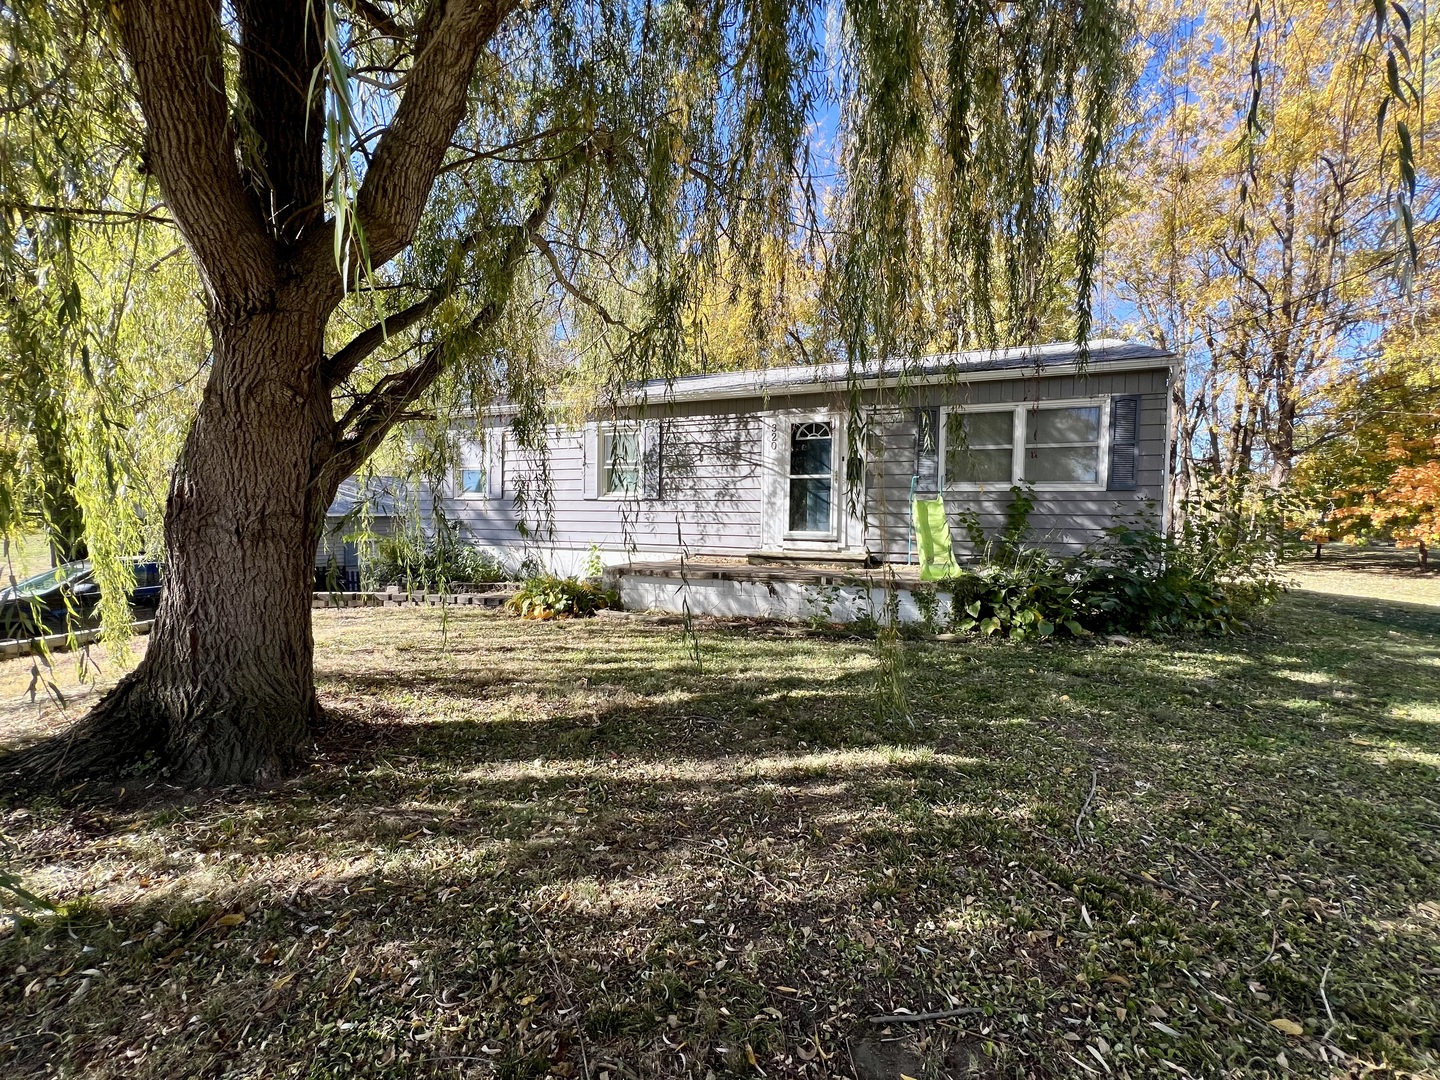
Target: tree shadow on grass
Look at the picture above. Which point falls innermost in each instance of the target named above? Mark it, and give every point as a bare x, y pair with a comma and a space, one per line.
563, 855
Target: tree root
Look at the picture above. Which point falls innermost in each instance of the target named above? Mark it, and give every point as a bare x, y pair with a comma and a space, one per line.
117, 738
131, 733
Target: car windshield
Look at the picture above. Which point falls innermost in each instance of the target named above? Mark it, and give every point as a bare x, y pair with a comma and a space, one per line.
34, 586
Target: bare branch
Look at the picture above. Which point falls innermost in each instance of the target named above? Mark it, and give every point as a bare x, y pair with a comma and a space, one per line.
117, 217
543, 246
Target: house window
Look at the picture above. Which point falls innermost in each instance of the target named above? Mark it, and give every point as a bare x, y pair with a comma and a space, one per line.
812, 477
979, 447
620, 462
471, 481
1062, 446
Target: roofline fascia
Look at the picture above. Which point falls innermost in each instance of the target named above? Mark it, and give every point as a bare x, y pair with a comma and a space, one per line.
1163, 361
1073, 367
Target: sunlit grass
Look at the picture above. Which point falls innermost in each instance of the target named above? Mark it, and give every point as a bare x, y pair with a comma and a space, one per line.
528, 848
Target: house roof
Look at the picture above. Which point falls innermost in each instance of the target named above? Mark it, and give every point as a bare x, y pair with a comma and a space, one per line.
1061, 358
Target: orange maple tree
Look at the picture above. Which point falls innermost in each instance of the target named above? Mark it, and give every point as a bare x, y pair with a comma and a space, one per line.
1409, 505
1377, 476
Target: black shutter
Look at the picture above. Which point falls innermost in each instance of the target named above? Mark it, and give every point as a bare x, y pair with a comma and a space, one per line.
650, 445
927, 450
1125, 442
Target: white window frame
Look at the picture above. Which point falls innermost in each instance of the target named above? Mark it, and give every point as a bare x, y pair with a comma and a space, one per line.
791, 421
605, 433
461, 493
1020, 410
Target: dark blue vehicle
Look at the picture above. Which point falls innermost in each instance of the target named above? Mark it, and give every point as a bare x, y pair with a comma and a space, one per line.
67, 598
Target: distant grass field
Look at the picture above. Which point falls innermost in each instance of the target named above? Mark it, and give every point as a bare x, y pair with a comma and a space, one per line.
23, 557
1387, 574
572, 849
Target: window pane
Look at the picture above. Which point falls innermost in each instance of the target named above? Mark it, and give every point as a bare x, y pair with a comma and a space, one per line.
980, 429
1064, 463
810, 505
622, 478
624, 447
964, 466
472, 481
1078, 425
622, 462
810, 450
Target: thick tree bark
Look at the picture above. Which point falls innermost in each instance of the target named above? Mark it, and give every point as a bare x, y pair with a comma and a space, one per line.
225, 692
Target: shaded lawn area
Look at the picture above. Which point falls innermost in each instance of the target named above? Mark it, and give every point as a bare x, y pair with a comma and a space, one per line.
530, 849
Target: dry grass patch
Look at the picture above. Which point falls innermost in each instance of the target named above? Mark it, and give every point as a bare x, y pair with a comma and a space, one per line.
529, 849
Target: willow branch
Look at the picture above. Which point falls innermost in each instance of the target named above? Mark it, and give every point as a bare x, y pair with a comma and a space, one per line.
340, 366
543, 246
119, 217
344, 362
366, 423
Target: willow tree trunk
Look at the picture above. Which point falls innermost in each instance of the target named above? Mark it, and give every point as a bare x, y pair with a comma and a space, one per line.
226, 690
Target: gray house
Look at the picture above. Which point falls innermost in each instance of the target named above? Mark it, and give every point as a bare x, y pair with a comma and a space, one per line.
763, 467
376, 505
761, 461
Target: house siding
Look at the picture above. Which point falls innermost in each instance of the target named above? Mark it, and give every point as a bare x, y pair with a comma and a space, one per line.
709, 500
711, 477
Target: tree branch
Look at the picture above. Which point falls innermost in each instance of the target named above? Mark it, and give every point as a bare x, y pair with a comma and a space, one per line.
377, 18
340, 366
410, 153
543, 246
343, 363
117, 217
371, 418
280, 48
174, 50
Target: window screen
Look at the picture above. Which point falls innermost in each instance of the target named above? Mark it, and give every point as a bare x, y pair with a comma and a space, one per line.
620, 457
1063, 445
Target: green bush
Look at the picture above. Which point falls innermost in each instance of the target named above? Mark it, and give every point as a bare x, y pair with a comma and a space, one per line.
1136, 582
415, 560
546, 596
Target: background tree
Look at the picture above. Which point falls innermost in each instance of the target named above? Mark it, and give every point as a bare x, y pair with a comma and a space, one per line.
101, 323
1258, 245
383, 200
1374, 462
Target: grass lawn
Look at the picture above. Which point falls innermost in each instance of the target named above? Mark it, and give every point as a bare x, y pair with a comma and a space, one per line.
23, 556
529, 849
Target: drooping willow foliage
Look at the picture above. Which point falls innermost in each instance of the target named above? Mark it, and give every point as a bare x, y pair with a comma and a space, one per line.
929, 173
102, 344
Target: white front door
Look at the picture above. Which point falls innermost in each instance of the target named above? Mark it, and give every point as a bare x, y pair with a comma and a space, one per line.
805, 505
